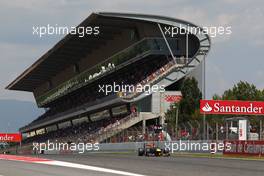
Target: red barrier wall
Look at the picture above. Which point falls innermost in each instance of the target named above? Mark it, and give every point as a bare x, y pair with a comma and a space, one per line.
245, 148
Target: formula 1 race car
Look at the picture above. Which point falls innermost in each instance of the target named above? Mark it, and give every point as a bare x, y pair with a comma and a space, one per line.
152, 150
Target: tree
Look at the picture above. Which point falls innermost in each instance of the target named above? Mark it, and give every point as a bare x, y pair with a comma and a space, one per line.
243, 91
188, 106
216, 97
190, 102
261, 94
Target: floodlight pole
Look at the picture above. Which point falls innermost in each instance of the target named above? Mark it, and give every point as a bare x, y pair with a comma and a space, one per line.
176, 108
176, 120
187, 47
204, 123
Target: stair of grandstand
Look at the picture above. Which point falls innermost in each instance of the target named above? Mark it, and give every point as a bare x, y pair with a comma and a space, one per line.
125, 123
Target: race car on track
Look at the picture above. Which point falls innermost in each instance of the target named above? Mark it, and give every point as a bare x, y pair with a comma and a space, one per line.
152, 150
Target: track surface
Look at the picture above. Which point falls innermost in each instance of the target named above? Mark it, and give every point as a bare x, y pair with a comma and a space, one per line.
166, 166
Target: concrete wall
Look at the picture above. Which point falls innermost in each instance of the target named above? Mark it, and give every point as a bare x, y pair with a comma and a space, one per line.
133, 146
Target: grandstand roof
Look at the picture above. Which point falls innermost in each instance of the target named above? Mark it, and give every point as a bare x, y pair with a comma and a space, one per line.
72, 48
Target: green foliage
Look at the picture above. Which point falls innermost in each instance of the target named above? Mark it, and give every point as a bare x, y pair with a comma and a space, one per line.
243, 91
188, 106
190, 102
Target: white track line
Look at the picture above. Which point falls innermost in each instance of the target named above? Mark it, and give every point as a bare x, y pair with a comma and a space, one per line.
86, 167
66, 164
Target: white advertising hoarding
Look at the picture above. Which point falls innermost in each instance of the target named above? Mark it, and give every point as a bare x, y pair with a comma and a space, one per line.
242, 132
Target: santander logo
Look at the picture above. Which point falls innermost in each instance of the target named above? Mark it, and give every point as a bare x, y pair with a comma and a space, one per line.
10, 137
232, 107
207, 108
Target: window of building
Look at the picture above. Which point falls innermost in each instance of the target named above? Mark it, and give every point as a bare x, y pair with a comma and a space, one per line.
177, 45
134, 35
50, 84
76, 68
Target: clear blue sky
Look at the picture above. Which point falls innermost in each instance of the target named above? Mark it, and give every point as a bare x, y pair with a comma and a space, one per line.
232, 58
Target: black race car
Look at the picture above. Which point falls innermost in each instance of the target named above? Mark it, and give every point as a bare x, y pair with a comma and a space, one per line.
151, 150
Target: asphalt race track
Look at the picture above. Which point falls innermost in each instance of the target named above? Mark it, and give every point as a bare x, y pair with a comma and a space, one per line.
167, 166
13, 168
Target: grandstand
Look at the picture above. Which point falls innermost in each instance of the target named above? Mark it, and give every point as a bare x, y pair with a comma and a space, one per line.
130, 49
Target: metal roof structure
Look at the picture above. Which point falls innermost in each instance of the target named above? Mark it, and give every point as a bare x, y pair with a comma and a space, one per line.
72, 48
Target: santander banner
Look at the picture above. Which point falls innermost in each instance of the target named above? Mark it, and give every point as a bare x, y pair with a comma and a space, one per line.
10, 137
231, 107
